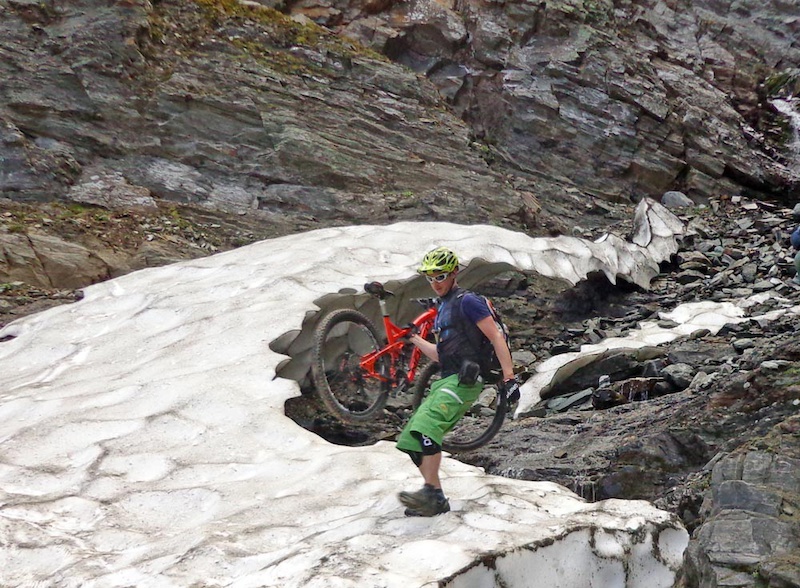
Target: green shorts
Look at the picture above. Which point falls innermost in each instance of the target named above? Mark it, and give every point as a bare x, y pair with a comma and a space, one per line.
446, 403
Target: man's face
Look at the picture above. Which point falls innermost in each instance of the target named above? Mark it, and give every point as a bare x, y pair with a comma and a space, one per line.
441, 282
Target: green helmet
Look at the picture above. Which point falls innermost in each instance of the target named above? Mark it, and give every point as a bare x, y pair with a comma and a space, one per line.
440, 259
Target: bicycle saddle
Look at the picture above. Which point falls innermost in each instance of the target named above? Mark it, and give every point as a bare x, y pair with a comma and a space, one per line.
377, 290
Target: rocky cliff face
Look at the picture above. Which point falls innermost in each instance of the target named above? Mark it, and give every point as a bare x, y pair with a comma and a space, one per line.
234, 107
482, 110
614, 99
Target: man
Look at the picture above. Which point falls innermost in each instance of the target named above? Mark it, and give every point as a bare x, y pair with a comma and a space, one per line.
459, 387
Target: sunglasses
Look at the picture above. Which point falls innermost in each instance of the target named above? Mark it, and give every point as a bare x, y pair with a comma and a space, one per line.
438, 279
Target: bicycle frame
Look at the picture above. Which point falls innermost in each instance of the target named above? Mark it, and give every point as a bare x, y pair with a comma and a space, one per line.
397, 345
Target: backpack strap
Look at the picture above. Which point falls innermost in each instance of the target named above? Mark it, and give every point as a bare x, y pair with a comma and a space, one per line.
473, 334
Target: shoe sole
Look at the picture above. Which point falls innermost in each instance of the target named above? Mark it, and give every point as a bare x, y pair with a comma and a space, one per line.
412, 513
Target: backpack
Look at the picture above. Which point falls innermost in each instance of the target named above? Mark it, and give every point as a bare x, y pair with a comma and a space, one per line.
491, 371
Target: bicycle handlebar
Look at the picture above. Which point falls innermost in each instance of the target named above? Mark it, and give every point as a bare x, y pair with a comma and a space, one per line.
426, 303
377, 290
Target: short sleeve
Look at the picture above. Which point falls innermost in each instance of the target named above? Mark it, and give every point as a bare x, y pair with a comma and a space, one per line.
474, 308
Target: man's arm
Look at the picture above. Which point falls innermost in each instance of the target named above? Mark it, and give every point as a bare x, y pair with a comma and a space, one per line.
498, 341
425, 346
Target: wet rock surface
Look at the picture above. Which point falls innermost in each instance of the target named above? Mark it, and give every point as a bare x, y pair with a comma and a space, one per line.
235, 108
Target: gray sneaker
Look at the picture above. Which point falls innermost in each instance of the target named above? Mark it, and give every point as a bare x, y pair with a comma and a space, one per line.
424, 503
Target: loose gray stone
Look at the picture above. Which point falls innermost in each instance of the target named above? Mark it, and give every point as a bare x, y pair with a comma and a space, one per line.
674, 199
679, 375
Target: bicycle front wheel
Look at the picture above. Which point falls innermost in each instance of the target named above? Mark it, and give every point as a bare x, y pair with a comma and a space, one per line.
349, 392
476, 428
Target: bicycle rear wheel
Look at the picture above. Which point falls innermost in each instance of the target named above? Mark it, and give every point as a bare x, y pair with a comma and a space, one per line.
347, 390
478, 426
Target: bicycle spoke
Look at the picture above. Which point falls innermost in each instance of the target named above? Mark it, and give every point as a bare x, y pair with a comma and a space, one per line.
347, 390
476, 422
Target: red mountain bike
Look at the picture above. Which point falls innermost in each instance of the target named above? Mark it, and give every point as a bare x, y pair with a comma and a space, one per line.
355, 370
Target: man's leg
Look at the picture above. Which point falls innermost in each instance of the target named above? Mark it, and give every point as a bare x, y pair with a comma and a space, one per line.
430, 500
444, 406
429, 468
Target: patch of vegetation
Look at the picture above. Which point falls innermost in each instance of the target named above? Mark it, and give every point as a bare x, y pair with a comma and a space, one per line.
158, 28
789, 377
598, 12
591, 12
283, 30
280, 30
177, 30
786, 82
401, 194
175, 219
483, 149
277, 60
241, 241
74, 209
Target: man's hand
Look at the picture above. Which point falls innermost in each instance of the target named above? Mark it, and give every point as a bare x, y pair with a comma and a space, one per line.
412, 330
511, 389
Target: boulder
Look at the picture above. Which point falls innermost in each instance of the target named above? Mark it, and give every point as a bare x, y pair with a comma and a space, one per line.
47, 261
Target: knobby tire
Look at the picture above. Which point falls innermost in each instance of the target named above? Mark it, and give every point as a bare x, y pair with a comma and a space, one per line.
340, 340
473, 430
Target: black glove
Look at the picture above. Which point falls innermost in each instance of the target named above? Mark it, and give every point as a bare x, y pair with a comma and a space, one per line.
511, 390
412, 330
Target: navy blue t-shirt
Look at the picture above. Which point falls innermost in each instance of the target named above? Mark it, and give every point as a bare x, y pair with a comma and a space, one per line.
453, 345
